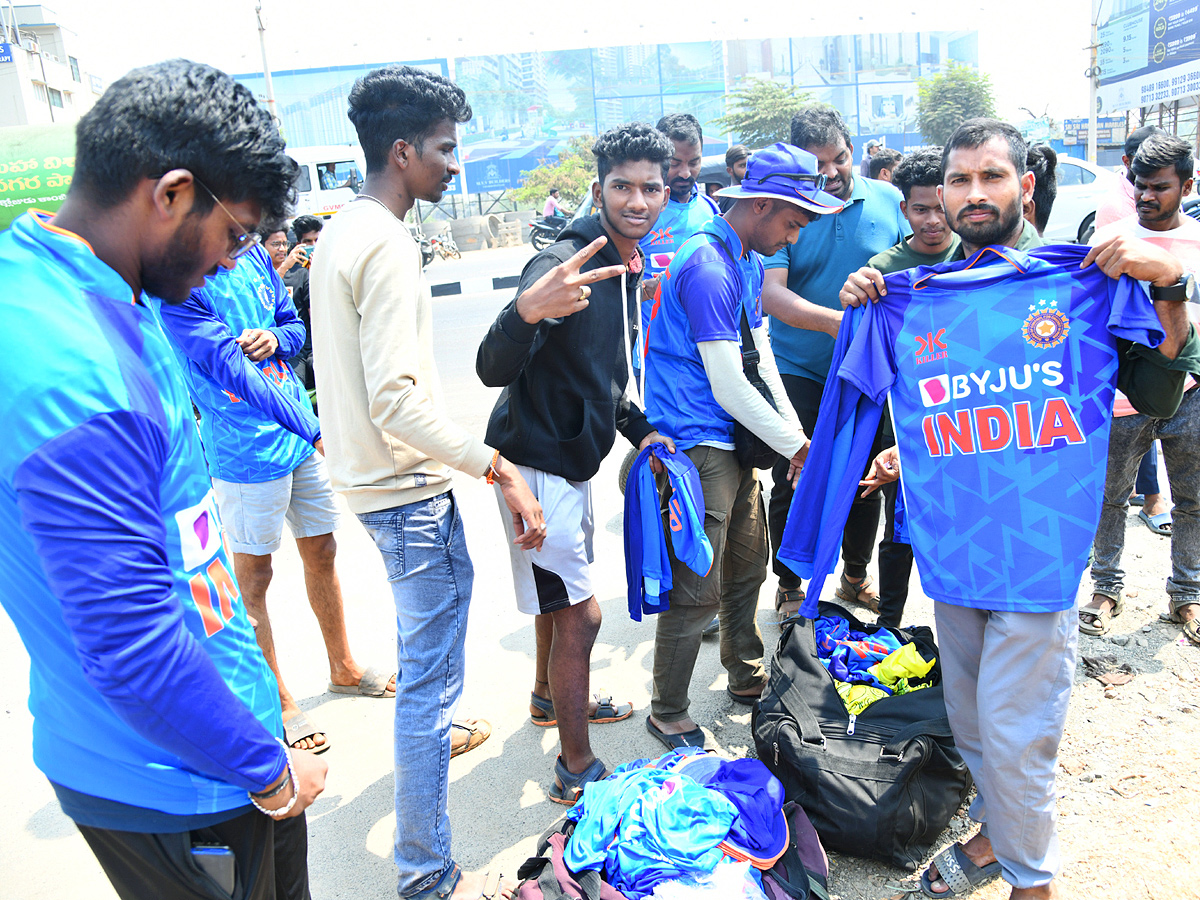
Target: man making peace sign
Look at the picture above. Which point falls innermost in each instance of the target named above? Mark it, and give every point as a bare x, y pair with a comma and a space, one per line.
562, 351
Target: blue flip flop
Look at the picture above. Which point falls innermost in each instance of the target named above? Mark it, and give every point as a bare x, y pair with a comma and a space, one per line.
1159, 524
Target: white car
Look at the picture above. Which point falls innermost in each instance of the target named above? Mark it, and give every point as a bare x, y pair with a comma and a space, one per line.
1082, 187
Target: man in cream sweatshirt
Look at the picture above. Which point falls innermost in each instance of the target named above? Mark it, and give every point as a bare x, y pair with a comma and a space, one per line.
391, 447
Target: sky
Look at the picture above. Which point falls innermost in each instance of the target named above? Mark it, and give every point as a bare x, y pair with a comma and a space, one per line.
1035, 55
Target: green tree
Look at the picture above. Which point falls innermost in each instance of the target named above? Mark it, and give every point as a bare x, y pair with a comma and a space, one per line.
572, 175
760, 111
946, 100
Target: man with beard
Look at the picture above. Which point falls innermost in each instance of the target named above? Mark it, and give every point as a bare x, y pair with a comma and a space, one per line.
156, 718
696, 388
1162, 176
392, 448
687, 207
1008, 665
558, 415
801, 296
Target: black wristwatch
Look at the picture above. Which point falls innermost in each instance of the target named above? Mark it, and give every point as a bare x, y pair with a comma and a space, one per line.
1181, 291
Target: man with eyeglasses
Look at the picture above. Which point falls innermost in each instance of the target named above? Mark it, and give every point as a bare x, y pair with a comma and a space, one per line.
156, 718
801, 296
233, 337
695, 390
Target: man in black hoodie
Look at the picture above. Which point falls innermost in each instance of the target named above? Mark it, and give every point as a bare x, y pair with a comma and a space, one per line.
562, 352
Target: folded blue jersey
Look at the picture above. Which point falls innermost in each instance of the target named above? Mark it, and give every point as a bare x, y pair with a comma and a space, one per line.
647, 563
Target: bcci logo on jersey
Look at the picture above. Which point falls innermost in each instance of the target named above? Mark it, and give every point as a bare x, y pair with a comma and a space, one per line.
1045, 326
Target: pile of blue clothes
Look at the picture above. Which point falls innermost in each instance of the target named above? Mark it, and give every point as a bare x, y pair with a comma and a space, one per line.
675, 817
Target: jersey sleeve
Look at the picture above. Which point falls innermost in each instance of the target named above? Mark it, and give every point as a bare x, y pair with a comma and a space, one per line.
1133, 317
711, 296
89, 499
870, 359
206, 340
841, 444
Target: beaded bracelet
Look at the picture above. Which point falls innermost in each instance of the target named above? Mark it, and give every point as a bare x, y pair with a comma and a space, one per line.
283, 810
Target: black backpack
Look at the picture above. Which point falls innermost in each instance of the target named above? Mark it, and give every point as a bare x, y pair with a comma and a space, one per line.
880, 785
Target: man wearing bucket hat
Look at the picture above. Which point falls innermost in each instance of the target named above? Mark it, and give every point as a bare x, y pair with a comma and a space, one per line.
800, 294
695, 388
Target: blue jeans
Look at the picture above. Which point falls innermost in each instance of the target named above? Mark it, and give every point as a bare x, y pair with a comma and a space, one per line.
425, 552
1131, 438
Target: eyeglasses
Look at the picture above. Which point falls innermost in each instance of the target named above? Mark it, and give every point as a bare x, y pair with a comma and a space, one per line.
817, 181
277, 245
239, 244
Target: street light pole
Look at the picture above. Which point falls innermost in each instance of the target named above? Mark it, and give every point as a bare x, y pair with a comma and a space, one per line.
262, 42
1093, 74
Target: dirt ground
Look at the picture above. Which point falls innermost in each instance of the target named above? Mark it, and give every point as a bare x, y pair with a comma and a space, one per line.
1128, 823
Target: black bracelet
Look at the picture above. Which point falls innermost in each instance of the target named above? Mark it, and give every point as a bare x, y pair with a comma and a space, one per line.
278, 789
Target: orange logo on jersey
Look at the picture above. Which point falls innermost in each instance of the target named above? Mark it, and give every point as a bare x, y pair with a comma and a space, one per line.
676, 517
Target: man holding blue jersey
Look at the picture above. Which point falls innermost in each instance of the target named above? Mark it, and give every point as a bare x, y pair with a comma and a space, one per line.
696, 388
1008, 666
156, 718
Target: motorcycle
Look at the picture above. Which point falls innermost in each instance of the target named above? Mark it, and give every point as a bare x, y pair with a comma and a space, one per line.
445, 247
545, 233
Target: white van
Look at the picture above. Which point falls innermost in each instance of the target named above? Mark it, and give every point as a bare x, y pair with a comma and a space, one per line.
330, 177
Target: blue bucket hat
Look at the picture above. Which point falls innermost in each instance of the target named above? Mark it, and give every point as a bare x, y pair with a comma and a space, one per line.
784, 172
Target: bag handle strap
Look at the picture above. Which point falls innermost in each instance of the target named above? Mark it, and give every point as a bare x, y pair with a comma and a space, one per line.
806, 722
939, 727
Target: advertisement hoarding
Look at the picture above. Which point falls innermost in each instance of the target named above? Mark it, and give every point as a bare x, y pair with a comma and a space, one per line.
1148, 54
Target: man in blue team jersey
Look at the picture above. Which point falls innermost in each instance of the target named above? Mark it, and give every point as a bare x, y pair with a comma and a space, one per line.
233, 337
687, 207
1008, 665
695, 389
801, 296
156, 718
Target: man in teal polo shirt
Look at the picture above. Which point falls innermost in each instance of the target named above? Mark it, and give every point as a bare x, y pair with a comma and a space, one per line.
800, 294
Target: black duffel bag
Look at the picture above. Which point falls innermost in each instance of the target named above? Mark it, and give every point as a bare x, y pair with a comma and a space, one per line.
880, 785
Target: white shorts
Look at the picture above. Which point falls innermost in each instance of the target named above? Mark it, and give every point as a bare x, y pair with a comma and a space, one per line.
253, 514
558, 575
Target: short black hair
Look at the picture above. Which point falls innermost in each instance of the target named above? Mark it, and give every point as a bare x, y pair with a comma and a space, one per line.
402, 103
554, 190
635, 141
1043, 163
1135, 139
682, 127
735, 154
884, 158
270, 227
818, 125
182, 115
1161, 150
922, 168
977, 132
305, 224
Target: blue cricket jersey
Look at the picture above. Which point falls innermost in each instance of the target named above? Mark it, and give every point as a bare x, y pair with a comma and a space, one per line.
676, 223
701, 298
147, 686
647, 564
255, 419
1001, 371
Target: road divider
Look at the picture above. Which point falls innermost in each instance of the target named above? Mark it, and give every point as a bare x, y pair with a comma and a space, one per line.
474, 285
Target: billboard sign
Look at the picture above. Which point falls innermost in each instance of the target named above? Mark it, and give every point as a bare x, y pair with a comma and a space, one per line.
6, 53
1109, 130
1148, 54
